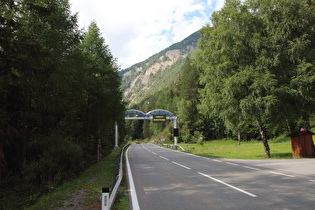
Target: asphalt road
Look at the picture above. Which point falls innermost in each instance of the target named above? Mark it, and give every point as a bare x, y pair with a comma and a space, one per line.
168, 179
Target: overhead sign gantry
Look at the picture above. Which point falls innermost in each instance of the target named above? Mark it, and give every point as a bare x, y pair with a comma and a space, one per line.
139, 115
157, 115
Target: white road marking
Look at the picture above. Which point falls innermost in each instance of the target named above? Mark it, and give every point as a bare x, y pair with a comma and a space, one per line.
154, 153
134, 198
164, 158
215, 160
233, 164
187, 153
312, 180
181, 165
257, 169
145, 148
272, 172
226, 184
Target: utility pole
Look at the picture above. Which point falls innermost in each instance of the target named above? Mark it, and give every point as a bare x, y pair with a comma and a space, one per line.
116, 135
175, 133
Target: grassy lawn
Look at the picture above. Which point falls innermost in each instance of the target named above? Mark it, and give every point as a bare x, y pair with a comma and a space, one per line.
279, 147
85, 191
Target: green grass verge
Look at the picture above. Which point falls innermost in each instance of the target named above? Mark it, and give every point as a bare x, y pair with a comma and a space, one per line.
280, 148
85, 190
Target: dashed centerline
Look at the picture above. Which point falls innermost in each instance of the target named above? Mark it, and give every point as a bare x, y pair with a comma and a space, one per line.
181, 165
257, 169
164, 158
230, 163
214, 179
233, 164
272, 172
226, 184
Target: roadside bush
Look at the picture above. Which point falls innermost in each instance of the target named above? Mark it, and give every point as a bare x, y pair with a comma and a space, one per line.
52, 159
187, 137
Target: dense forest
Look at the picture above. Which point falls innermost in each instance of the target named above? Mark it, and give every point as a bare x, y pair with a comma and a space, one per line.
59, 98
253, 76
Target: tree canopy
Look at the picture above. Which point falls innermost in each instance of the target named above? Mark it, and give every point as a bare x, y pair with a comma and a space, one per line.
251, 58
59, 95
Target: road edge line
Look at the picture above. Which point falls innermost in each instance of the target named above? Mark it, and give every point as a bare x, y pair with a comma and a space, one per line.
133, 193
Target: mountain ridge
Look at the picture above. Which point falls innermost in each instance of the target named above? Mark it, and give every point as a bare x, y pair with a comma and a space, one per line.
158, 71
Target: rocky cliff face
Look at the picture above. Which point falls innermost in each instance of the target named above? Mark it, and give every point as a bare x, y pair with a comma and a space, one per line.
148, 77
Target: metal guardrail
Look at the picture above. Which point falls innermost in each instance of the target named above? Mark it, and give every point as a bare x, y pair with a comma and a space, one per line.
106, 205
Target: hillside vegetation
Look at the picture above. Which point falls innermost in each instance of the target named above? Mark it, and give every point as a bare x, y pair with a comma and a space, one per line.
252, 77
157, 72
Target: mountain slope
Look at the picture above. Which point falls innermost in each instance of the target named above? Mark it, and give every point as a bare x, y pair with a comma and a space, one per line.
152, 75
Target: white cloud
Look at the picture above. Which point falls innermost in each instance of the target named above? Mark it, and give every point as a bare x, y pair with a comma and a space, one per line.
216, 4
135, 30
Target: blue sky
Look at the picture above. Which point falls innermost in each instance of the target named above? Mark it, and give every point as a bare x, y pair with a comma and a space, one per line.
137, 29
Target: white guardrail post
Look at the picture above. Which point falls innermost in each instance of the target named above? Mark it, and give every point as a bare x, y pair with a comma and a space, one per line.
105, 198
